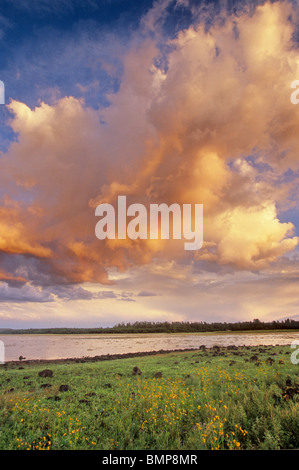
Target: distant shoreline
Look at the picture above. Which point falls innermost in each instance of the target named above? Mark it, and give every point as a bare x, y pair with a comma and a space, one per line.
173, 328
117, 333
110, 357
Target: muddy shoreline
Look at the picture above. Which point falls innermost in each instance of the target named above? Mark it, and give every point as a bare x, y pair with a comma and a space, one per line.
216, 350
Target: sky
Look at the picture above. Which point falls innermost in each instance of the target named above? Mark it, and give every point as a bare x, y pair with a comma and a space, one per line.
166, 101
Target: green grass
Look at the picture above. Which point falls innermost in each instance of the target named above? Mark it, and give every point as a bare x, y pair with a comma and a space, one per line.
204, 400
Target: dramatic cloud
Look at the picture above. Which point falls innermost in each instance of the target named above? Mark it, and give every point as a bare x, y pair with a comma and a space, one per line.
220, 130
201, 117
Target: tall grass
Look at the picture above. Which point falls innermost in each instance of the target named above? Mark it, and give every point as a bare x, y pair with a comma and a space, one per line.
200, 400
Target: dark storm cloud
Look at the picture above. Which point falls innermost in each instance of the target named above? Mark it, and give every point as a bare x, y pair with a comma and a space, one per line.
25, 293
145, 293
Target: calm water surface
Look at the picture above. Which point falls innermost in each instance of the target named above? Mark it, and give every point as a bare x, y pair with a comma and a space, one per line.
78, 346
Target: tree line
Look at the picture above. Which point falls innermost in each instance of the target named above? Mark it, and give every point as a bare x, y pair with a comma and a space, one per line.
165, 327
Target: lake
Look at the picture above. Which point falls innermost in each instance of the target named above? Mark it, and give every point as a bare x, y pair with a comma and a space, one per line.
50, 346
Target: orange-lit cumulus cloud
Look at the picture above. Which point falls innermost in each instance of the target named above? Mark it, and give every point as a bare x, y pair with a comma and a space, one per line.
182, 133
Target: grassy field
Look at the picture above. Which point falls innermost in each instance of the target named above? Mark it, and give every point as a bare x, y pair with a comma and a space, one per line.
243, 398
